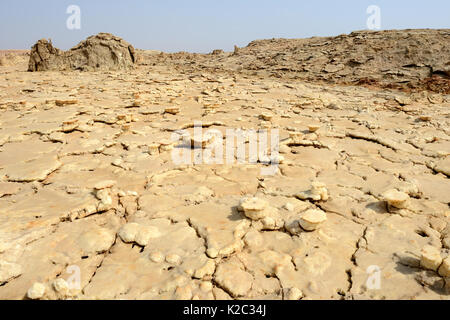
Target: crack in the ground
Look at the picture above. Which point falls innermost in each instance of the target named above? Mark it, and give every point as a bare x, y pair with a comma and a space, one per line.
107, 252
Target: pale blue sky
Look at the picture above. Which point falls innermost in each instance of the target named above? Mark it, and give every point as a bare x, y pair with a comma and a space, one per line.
204, 25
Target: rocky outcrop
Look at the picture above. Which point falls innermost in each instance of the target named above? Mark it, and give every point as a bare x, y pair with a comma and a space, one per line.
103, 51
45, 57
400, 59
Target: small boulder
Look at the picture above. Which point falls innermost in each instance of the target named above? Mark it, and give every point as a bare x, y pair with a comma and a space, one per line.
431, 258
145, 234
61, 286
156, 257
312, 219
174, 259
36, 291
129, 232
396, 199
318, 192
253, 208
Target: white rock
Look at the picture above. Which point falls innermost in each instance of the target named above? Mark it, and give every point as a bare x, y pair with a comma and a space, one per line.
272, 221
172, 110
36, 291
431, 258
129, 232
253, 208
396, 199
317, 192
212, 253
268, 223
313, 127
145, 234
104, 196
173, 259
266, 116
156, 257
61, 286
312, 219
319, 188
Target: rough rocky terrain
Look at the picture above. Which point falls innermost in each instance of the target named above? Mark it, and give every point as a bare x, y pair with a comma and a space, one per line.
89, 189
408, 60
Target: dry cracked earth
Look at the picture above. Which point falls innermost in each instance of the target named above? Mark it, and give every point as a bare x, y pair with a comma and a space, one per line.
357, 209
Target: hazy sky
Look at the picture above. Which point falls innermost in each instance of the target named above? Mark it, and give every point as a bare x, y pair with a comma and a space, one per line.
204, 25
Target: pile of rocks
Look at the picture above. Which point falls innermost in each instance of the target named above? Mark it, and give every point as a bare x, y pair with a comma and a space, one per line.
260, 211
318, 192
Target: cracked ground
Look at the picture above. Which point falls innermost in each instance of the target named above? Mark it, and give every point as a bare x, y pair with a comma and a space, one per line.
87, 181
